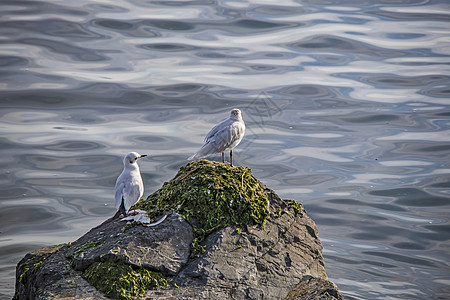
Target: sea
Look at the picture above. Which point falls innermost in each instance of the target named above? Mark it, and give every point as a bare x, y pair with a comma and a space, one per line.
346, 103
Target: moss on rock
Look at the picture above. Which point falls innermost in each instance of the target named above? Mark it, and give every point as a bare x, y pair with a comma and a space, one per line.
311, 287
87, 246
210, 195
296, 206
33, 261
122, 281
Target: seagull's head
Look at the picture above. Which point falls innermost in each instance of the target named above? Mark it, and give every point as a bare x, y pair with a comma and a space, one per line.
131, 159
236, 114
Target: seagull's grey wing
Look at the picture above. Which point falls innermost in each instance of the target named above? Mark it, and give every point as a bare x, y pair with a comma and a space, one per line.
133, 191
216, 143
210, 146
217, 128
120, 185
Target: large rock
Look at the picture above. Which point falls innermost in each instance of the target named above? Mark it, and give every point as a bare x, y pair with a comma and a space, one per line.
47, 274
162, 248
274, 253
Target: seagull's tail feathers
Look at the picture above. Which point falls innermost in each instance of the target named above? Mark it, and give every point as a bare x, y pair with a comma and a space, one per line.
121, 211
196, 156
204, 151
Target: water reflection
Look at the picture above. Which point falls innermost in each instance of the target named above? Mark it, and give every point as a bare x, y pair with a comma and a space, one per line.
345, 104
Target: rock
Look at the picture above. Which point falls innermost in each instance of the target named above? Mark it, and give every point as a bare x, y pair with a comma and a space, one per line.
46, 274
251, 263
230, 238
162, 248
314, 288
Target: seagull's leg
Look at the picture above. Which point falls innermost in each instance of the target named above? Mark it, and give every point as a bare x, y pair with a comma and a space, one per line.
231, 157
223, 157
134, 209
132, 213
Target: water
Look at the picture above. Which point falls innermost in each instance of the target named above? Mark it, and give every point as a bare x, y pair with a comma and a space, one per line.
346, 102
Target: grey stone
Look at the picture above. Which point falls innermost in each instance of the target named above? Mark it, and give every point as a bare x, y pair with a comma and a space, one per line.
283, 260
314, 288
164, 248
47, 274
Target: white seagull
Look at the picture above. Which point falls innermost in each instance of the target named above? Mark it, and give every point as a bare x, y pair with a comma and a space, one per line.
129, 185
223, 137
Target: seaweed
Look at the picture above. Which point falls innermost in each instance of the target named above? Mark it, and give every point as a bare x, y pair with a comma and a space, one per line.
122, 281
211, 195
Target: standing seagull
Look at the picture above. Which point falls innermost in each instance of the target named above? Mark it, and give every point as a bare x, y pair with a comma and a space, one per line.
129, 185
223, 137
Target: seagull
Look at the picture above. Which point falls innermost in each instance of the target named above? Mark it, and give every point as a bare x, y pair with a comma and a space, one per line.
129, 185
223, 137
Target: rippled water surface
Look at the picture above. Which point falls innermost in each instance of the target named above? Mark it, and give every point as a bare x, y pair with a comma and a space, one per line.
346, 104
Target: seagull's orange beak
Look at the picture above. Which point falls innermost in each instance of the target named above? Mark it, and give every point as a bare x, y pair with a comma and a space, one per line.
143, 155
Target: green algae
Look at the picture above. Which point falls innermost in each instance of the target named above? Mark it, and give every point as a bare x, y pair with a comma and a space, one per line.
88, 245
277, 213
296, 206
122, 281
210, 195
91, 245
34, 261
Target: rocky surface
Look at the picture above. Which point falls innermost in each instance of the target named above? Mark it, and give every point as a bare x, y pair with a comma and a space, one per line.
163, 248
47, 274
314, 288
280, 260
